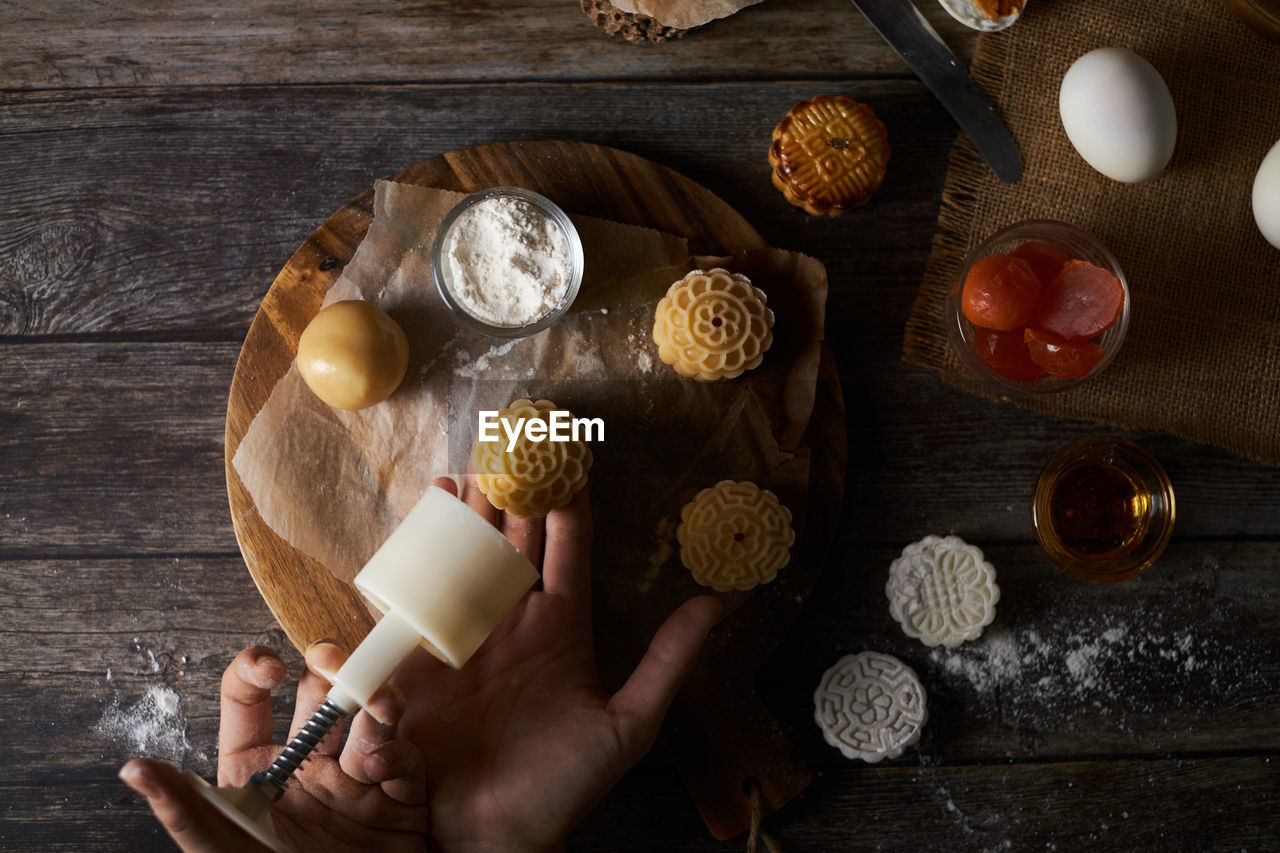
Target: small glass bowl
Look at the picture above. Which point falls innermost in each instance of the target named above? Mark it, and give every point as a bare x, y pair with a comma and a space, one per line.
1103, 509
1077, 244
440, 270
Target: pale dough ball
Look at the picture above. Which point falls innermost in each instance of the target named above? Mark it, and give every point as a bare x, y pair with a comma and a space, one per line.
352, 355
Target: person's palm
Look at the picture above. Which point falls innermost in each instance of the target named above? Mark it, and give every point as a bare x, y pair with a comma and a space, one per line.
521, 742
517, 745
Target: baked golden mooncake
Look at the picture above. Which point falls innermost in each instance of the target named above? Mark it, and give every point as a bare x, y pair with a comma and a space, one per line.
735, 535
529, 478
713, 324
829, 154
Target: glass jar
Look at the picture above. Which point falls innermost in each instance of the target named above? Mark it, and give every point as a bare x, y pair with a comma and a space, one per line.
448, 288
1076, 244
1103, 509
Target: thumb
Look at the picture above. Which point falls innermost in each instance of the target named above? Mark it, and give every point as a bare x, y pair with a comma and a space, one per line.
193, 822
643, 701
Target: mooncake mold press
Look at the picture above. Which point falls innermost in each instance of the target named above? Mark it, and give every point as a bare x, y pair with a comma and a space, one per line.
942, 591
533, 477
870, 706
735, 535
713, 324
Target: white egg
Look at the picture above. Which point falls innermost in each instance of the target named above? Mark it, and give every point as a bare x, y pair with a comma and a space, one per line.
1118, 114
1266, 196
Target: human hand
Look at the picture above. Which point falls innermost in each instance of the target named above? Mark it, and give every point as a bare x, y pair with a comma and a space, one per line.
521, 742
370, 794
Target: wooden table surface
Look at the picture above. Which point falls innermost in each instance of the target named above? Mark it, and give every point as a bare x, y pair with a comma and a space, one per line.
159, 165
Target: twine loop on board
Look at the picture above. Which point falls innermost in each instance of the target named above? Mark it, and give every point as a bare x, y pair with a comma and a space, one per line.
756, 835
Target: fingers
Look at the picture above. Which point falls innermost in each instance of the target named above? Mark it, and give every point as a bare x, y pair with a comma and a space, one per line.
246, 700
474, 498
190, 820
526, 534
370, 729
449, 484
643, 701
324, 658
401, 769
566, 563
374, 756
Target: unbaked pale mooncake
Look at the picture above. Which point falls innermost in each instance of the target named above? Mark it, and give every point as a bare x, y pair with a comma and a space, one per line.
942, 591
713, 324
735, 535
534, 477
870, 706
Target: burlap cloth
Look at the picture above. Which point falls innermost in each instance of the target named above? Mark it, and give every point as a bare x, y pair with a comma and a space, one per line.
1202, 356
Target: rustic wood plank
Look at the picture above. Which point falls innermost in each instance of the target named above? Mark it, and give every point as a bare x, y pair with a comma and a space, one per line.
66, 44
85, 642
1194, 804
1203, 804
1012, 765
1178, 660
116, 448
119, 236
96, 635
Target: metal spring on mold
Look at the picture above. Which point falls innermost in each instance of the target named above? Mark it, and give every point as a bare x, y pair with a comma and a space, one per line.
298, 749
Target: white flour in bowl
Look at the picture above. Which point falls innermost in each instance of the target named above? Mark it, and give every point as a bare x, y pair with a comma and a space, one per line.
508, 261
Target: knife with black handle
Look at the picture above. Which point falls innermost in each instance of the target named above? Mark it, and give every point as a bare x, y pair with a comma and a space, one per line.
900, 24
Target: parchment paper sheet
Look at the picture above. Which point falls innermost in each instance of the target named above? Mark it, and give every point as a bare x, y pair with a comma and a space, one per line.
683, 14
335, 484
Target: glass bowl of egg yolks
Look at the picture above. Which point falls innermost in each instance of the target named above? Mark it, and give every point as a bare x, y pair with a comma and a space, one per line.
1003, 359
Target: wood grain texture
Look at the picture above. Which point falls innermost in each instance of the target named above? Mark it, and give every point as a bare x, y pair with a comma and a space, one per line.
1149, 728
114, 235
88, 428
66, 44
1226, 804
1067, 669
95, 636
117, 448
159, 165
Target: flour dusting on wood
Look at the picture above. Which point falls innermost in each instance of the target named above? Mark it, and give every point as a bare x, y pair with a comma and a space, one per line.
153, 726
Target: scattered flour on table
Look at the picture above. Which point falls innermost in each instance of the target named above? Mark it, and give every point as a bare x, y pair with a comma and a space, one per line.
1118, 673
153, 726
465, 365
1137, 667
640, 345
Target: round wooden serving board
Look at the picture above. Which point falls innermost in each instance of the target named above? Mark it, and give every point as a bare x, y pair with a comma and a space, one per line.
718, 732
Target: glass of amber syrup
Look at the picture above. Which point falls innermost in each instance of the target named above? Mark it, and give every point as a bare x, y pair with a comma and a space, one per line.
1103, 509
